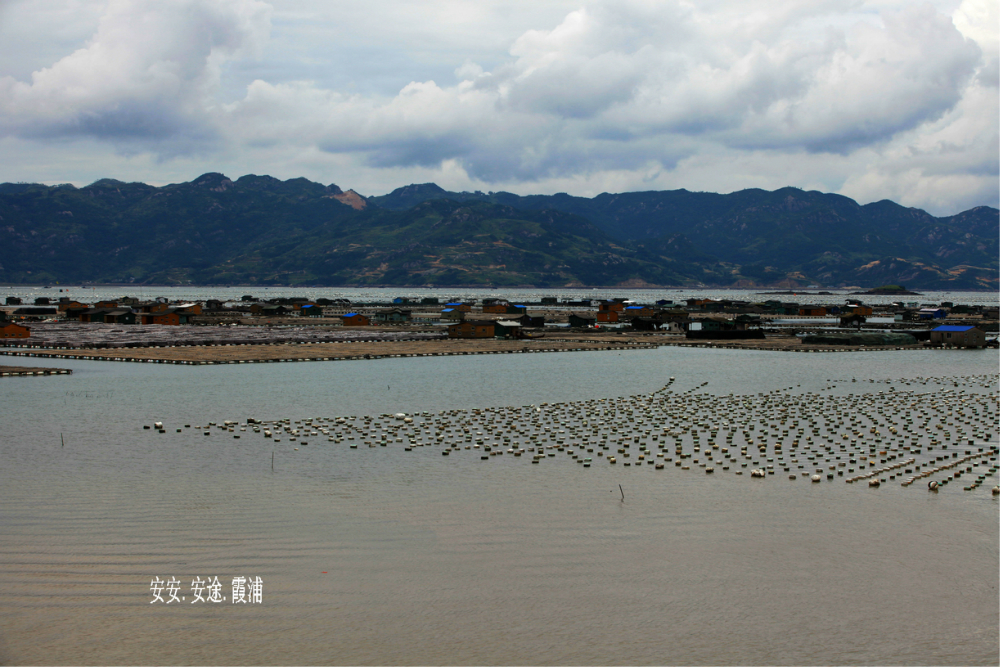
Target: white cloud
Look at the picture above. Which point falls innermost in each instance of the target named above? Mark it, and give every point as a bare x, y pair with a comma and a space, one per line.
145, 76
875, 100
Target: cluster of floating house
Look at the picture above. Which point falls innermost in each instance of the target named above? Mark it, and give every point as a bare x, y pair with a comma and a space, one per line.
127, 310
500, 318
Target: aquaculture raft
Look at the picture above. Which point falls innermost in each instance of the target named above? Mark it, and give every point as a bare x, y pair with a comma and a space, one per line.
860, 339
22, 371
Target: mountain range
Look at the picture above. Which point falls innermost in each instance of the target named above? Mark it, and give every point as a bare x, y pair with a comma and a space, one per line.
261, 230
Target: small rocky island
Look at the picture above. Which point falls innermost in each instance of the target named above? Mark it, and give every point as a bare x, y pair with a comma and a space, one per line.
891, 290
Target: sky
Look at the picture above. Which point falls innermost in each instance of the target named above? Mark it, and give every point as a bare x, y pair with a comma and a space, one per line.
873, 100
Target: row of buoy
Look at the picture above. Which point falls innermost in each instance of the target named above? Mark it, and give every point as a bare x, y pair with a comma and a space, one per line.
730, 346
879, 471
807, 434
222, 362
37, 372
941, 468
212, 343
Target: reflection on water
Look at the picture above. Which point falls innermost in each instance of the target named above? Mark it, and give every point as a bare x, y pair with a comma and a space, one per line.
437, 560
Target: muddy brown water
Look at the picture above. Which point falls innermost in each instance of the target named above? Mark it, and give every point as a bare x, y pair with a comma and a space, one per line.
382, 556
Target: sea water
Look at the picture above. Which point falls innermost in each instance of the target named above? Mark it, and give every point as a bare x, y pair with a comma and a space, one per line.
381, 556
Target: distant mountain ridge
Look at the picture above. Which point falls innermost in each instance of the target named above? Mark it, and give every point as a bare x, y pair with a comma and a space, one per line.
827, 237
261, 230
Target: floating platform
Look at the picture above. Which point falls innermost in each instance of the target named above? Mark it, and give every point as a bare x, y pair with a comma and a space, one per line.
24, 371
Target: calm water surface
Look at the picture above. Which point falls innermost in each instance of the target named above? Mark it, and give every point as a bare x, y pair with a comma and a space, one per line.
380, 556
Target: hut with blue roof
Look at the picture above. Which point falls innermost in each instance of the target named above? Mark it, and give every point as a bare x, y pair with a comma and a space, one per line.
311, 310
953, 335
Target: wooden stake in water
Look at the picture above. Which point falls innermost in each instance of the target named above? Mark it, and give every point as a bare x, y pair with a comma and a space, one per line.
62, 440
623, 492
272, 461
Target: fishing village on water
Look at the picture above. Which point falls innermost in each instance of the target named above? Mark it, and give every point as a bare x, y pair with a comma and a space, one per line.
500, 333
303, 329
661, 407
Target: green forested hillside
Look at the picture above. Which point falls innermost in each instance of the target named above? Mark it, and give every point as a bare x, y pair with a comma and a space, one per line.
788, 234
259, 230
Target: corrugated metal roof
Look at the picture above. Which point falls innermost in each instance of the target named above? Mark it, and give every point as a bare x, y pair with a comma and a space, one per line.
953, 328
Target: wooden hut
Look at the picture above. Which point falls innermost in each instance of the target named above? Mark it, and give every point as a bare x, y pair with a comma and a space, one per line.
355, 320
958, 336
472, 329
12, 330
